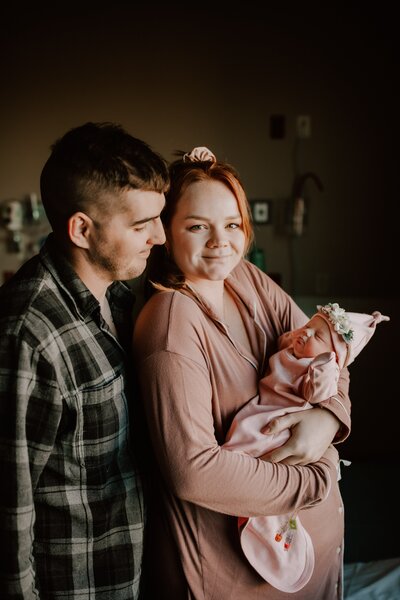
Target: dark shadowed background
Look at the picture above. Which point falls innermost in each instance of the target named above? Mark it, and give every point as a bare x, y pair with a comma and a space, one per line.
180, 75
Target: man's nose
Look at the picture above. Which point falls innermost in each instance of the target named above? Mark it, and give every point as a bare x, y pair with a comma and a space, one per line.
157, 232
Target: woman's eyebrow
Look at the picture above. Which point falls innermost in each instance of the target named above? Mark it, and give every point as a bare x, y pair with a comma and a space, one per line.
203, 218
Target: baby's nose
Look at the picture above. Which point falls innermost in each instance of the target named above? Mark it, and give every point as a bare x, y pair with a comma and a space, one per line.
307, 333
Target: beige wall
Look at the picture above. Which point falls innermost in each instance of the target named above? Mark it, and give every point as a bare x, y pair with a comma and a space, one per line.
180, 79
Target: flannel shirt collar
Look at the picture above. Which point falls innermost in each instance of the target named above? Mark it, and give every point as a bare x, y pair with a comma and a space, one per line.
119, 294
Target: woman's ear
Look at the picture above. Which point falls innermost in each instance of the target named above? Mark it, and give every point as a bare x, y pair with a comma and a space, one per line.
79, 225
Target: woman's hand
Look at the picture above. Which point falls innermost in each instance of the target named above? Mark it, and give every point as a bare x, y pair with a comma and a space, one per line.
312, 431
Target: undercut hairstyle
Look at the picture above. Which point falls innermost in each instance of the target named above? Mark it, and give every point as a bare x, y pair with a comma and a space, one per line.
162, 271
92, 162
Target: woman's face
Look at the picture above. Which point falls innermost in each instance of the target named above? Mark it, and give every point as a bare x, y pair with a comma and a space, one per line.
206, 237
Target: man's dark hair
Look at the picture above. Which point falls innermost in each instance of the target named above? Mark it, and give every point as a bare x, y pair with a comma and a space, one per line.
91, 160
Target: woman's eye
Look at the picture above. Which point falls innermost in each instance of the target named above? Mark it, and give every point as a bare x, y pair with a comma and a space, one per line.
138, 229
233, 225
196, 227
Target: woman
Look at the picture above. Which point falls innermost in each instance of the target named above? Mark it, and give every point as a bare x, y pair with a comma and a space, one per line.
201, 344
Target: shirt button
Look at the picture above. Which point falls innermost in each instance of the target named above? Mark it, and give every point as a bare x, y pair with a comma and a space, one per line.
338, 550
340, 509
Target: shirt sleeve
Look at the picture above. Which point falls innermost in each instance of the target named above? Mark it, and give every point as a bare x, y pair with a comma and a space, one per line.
178, 401
339, 405
30, 409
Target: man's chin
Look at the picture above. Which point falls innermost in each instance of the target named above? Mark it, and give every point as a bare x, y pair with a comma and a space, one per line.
133, 273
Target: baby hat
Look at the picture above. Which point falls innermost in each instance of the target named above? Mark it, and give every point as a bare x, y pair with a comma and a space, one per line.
350, 331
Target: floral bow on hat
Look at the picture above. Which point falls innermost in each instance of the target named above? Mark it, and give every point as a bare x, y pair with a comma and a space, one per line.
339, 319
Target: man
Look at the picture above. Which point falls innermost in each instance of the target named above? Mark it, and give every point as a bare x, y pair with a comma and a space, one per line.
71, 506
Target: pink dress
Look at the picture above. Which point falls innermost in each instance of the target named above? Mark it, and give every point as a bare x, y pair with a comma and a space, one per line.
194, 378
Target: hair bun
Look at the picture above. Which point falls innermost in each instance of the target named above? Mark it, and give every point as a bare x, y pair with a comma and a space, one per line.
199, 154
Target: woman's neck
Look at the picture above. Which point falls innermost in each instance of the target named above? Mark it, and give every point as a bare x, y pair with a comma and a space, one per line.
211, 291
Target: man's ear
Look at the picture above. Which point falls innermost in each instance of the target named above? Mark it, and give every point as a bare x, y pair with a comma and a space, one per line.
79, 225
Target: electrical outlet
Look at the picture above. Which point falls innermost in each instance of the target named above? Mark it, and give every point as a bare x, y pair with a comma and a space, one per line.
261, 211
303, 127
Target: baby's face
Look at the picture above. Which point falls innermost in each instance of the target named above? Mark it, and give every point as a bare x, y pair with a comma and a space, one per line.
312, 339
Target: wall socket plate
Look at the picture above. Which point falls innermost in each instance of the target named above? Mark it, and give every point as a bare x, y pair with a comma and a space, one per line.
303, 127
261, 211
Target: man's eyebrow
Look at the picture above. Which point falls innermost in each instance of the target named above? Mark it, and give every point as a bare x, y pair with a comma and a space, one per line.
145, 220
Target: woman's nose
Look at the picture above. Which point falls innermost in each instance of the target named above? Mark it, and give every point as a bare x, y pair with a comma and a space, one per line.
217, 240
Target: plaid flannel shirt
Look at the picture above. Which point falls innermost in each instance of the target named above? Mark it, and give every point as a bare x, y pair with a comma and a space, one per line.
71, 510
